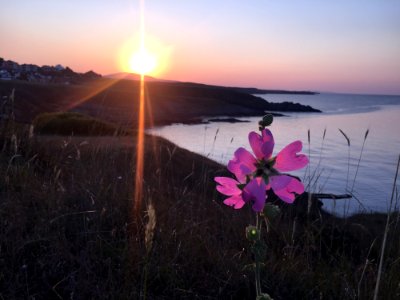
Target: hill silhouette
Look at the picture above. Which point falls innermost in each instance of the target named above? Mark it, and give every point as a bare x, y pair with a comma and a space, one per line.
134, 76
117, 101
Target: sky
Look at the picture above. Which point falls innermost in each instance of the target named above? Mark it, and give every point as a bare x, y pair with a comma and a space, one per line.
350, 46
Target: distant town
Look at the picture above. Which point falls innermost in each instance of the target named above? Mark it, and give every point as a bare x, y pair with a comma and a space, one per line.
11, 70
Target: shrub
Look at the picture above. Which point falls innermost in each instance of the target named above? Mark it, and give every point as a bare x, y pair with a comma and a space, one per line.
67, 123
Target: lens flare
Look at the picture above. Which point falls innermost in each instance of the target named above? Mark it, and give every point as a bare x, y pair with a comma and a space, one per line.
140, 152
148, 56
138, 194
142, 62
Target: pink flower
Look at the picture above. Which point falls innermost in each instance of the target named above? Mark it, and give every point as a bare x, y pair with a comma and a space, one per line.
286, 160
244, 164
230, 187
285, 187
263, 144
254, 191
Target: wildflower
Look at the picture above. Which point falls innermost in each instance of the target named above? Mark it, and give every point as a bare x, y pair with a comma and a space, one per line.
286, 160
242, 164
254, 191
257, 174
263, 165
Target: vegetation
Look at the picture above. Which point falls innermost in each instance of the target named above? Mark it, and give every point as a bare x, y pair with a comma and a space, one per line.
71, 123
115, 100
67, 229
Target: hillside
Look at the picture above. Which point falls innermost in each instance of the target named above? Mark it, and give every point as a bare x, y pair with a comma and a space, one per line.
68, 228
247, 90
117, 100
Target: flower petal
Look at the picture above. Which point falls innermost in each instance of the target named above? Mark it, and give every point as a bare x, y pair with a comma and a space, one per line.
288, 159
242, 164
262, 146
235, 201
285, 187
255, 191
228, 186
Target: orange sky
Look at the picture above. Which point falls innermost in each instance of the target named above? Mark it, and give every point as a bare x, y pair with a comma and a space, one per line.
341, 46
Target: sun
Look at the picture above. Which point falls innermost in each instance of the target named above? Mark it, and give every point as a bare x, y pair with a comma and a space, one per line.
147, 56
142, 62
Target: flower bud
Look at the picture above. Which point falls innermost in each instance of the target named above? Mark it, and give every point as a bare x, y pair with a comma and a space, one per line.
252, 233
267, 119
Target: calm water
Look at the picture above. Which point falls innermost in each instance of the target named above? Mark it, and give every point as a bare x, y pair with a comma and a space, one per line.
330, 169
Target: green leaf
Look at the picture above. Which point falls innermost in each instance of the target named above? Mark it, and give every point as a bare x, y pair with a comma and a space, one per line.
266, 178
271, 211
264, 297
241, 186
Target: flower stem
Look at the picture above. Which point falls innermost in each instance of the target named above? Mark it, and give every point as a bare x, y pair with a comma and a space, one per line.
257, 257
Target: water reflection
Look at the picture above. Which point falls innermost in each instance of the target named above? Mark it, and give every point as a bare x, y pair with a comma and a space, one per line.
328, 156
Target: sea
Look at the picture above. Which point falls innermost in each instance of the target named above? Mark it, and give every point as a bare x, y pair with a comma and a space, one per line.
353, 146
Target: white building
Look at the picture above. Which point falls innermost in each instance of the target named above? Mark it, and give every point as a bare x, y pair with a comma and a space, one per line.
59, 67
5, 75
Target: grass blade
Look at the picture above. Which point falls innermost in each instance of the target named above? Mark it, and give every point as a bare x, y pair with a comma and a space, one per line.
345, 135
348, 157
359, 161
378, 279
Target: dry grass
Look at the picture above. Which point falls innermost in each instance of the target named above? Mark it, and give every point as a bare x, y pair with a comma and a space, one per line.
67, 231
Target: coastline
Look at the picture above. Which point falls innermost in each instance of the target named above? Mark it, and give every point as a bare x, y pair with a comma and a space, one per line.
115, 100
